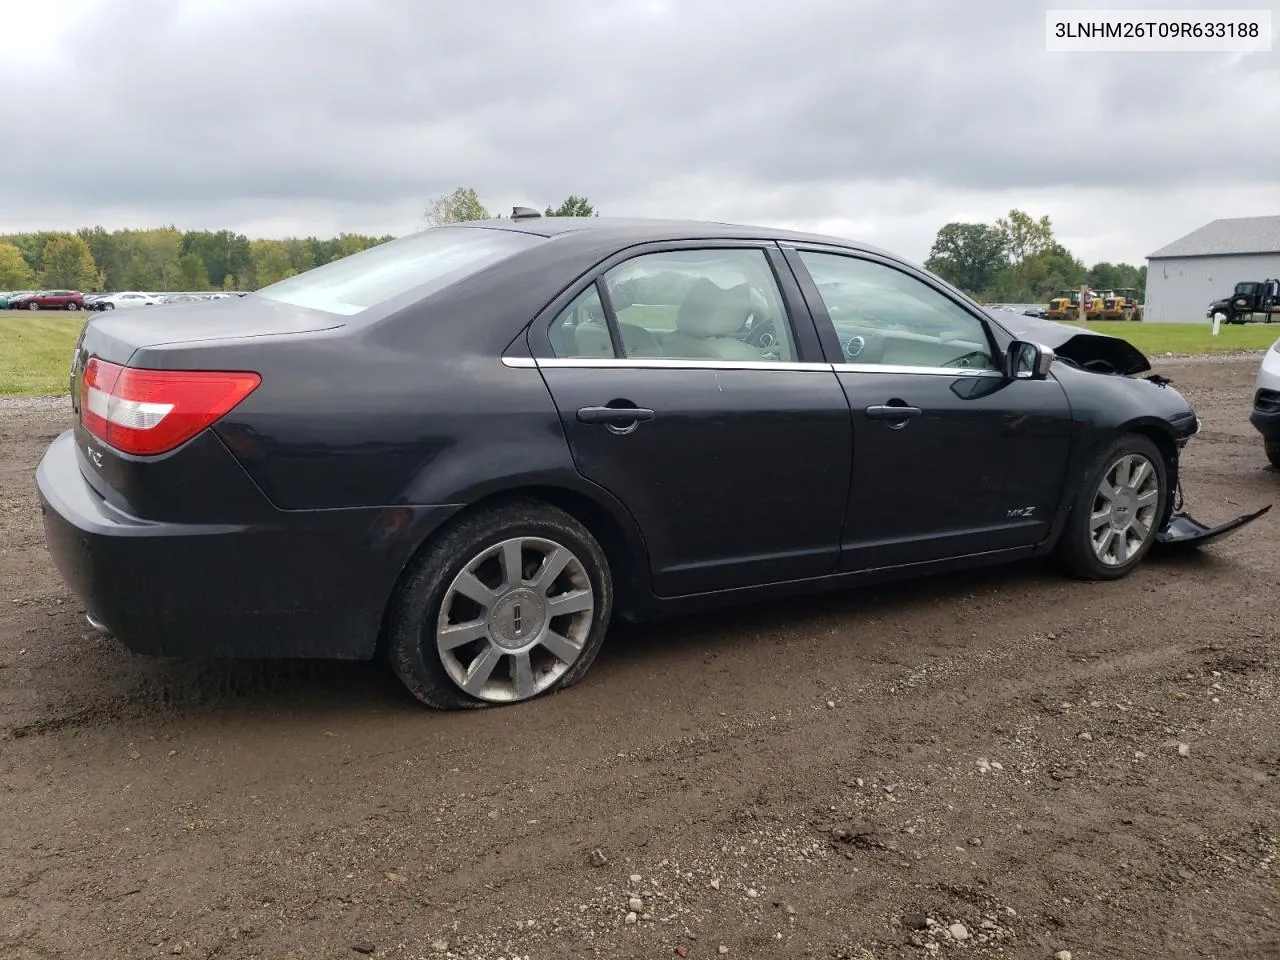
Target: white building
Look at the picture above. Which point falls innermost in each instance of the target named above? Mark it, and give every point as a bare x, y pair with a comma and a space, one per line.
1184, 277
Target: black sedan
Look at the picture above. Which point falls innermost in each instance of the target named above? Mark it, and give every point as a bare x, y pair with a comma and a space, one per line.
473, 447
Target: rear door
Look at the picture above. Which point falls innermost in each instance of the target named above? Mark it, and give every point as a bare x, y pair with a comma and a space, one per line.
690, 384
950, 458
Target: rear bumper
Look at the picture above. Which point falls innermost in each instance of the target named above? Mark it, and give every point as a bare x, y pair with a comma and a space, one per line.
306, 584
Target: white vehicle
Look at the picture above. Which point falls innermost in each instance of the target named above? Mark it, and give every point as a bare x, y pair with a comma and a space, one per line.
128, 299
1266, 404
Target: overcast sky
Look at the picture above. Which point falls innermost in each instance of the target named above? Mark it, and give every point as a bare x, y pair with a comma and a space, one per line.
877, 119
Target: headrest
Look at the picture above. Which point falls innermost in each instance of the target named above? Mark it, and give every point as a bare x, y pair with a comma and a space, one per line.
712, 311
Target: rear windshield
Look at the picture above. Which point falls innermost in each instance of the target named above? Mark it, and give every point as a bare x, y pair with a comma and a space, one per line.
424, 262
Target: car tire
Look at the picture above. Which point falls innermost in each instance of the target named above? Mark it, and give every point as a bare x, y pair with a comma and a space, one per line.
1273, 452
33, 306
107, 306
73, 306
1089, 556
433, 598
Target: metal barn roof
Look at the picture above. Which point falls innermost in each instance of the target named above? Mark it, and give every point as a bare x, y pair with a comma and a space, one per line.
1238, 235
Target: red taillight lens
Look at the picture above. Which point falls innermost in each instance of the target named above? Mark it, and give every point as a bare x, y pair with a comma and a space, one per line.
145, 412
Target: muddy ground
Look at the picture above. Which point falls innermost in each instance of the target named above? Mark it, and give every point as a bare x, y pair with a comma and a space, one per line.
999, 750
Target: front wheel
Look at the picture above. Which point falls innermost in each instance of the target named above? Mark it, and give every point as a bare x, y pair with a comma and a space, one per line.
1114, 518
1273, 452
33, 306
73, 306
511, 603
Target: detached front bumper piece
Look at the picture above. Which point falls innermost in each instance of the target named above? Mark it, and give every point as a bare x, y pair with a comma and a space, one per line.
1183, 530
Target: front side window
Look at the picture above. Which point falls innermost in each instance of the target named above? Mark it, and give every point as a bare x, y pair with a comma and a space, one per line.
885, 316
700, 305
426, 261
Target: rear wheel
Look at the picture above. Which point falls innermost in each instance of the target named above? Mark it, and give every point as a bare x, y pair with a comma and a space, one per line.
509, 604
1114, 517
33, 305
1273, 452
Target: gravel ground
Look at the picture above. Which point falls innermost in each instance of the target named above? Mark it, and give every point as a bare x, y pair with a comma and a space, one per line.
1000, 764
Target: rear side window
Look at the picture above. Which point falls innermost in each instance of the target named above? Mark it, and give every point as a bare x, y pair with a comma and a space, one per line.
426, 262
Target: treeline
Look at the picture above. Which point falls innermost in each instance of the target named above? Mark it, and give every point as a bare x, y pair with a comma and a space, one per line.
167, 258
94, 258
1018, 260
1015, 260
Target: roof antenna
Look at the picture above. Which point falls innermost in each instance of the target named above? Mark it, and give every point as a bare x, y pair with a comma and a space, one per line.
524, 213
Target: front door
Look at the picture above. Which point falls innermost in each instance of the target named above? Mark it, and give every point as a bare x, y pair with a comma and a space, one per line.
950, 458
685, 391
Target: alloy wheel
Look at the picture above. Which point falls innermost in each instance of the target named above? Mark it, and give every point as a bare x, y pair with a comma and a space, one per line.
1123, 517
515, 619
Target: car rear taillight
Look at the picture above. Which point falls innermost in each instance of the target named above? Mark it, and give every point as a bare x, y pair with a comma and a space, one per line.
146, 412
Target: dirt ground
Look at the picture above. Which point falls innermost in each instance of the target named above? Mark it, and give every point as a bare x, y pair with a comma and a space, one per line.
1054, 766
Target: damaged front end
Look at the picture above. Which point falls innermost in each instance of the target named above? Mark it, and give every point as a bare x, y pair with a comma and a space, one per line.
1181, 530
1184, 531
1104, 354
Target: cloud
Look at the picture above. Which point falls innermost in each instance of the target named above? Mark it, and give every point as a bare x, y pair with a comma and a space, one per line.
888, 118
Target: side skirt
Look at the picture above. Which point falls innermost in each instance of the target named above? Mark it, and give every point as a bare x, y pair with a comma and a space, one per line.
656, 607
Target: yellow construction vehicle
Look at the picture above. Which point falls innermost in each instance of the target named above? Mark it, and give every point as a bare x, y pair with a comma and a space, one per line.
1065, 307
1093, 305
1122, 304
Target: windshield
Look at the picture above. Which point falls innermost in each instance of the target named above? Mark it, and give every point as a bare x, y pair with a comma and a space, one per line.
426, 262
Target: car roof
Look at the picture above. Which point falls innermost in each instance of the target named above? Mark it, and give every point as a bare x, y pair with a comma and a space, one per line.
642, 229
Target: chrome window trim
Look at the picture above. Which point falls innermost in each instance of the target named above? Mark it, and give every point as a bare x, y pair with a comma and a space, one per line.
675, 363
670, 363
904, 368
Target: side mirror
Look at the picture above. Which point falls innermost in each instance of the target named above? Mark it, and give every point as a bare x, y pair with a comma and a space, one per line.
1028, 361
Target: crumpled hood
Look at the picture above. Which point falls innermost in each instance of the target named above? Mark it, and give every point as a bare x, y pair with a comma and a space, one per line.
1075, 343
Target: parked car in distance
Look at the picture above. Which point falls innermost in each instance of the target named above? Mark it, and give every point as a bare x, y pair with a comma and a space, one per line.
1266, 404
477, 445
123, 301
50, 300
15, 297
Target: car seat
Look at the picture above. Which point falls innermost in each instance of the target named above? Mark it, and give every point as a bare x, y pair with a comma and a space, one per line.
707, 322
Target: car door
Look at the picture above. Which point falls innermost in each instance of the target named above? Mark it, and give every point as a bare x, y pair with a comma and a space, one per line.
950, 457
690, 385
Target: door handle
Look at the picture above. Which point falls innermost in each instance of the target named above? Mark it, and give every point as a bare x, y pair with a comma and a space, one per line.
615, 416
892, 411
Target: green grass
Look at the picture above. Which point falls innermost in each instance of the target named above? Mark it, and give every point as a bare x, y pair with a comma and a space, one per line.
1188, 338
35, 351
654, 316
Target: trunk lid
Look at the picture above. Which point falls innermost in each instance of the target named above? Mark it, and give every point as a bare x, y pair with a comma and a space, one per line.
118, 335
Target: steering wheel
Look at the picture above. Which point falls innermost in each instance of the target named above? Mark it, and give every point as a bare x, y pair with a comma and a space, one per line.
974, 358
763, 334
